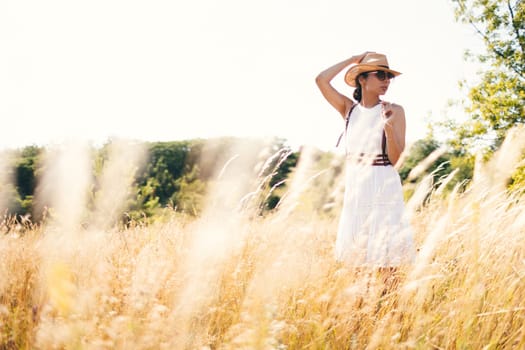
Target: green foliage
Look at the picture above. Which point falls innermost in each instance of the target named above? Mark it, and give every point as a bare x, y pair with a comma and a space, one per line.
272, 201
278, 171
21, 173
284, 169
465, 170
165, 165
12, 201
25, 170
145, 204
175, 174
497, 102
189, 194
517, 181
452, 160
420, 150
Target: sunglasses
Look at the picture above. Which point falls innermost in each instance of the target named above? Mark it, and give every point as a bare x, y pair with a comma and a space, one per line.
382, 75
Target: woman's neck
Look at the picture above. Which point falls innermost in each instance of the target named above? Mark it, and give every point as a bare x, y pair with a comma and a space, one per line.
369, 101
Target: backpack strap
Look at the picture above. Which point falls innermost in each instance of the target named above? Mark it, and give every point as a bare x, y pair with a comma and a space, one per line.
384, 156
347, 119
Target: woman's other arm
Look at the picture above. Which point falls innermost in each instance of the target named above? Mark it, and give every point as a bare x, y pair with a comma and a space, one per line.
395, 129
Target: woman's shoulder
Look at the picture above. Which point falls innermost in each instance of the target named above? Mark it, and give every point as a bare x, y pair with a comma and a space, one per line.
397, 109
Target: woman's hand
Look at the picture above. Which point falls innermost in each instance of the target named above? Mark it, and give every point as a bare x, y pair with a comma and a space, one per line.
386, 111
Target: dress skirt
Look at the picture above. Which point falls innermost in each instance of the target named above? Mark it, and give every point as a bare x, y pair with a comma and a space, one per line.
373, 228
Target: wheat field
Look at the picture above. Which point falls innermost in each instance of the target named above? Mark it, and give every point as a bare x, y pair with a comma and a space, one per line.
233, 279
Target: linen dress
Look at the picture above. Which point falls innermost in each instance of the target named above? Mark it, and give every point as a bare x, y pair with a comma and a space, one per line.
373, 229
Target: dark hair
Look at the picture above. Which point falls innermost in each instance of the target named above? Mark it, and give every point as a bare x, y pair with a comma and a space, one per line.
357, 91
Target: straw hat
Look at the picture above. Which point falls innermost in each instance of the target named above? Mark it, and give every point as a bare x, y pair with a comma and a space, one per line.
371, 62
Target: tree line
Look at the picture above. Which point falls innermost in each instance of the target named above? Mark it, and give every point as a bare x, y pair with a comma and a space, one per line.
175, 174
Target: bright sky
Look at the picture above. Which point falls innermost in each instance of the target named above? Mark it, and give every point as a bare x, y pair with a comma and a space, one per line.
169, 70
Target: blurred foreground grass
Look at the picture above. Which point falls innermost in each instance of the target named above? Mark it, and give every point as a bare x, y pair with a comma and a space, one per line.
229, 280
276, 287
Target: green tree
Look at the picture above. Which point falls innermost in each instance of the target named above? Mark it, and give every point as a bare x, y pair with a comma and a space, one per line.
420, 150
190, 191
25, 170
497, 102
26, 173
452, 159
166, 164
280, 169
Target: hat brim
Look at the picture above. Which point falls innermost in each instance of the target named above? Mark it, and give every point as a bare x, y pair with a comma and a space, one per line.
354, 71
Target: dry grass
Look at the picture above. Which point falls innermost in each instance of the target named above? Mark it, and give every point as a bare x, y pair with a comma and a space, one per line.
232, 280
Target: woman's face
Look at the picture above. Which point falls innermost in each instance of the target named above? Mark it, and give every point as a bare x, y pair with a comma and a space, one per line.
377, 82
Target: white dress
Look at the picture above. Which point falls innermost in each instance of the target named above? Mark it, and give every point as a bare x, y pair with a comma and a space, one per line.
373, 230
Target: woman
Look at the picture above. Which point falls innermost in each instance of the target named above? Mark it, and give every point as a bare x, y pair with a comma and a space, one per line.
372, 229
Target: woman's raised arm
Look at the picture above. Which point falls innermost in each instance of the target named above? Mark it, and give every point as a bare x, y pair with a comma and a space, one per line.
339, 101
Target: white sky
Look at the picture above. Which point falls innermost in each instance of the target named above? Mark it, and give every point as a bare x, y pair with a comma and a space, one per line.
169, 70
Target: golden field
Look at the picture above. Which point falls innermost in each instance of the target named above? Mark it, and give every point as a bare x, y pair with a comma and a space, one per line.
232, 279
